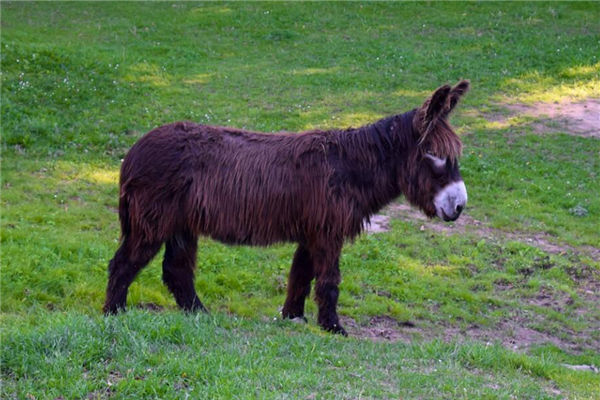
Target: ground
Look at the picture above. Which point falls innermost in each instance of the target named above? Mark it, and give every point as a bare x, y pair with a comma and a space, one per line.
503, 303
580, 118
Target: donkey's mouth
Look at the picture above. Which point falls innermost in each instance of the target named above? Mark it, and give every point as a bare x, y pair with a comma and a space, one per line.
447, 218
453, 217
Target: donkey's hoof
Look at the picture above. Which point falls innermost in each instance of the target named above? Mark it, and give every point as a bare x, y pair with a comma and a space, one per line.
193, 306
292, 313
337, 329
201, 308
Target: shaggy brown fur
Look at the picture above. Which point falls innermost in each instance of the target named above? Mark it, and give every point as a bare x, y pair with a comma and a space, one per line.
315, 188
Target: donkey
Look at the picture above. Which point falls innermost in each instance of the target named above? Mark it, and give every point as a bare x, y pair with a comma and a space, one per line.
316, 188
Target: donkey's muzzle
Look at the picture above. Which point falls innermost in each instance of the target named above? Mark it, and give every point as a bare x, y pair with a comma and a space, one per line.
451, 201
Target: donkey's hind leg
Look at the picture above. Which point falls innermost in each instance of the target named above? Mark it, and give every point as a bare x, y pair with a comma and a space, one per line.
301, 274
122, 270
178, 271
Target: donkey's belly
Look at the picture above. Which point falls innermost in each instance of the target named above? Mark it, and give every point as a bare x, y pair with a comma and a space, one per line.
250, 240
252, 234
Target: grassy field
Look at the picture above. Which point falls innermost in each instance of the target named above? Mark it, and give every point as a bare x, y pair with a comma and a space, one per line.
493, 308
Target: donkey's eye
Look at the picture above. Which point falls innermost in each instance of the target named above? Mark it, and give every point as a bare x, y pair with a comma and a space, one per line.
438, 162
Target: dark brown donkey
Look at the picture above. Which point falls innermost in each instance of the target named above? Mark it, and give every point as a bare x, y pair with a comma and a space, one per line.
315, 188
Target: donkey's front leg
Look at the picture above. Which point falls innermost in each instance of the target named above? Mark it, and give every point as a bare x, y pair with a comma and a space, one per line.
327, 268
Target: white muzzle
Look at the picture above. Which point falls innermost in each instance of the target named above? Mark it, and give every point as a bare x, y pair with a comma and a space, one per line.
450, 201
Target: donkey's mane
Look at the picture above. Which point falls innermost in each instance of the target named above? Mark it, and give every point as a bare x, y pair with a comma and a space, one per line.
401, 132
390, 133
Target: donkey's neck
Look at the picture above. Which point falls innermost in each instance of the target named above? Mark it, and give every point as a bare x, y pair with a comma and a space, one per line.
371, 159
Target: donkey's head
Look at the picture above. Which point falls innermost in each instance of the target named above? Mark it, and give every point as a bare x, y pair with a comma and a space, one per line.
436, 185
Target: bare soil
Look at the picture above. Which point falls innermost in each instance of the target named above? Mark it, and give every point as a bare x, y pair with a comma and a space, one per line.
378, 223
575, 118
466, 223
382, 328
513, 333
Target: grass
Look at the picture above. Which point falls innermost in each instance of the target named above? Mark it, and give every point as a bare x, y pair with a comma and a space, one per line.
170, 355
81, 82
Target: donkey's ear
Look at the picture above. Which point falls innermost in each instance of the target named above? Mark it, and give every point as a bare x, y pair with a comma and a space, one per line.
437, 103
434, 107
456, 93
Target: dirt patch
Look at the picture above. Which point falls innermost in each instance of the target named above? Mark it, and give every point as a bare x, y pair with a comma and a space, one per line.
575, 118
508, 334
467, 223
551, 299
513, 333
382, 328
378, 223
584, 367
112, 379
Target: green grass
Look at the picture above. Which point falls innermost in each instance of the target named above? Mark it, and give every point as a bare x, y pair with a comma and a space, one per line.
81, 82
170, 355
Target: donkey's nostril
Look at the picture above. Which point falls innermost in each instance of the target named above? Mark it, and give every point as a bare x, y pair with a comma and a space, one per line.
459, 208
